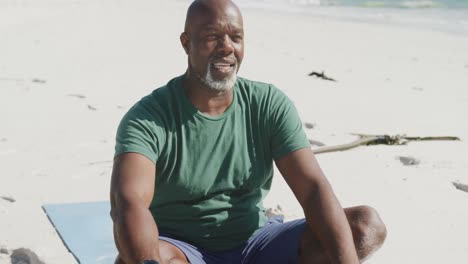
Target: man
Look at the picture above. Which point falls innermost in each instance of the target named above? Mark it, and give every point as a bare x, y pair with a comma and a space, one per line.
194, 161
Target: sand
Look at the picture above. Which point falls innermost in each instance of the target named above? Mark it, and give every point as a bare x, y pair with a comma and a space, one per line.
69, 70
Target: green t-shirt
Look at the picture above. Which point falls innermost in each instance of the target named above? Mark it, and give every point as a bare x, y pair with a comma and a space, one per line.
212, 172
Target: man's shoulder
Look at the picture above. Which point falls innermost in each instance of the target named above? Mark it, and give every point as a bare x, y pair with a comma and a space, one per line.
155, 105
159, 96
251, 84
164, 92
259, 89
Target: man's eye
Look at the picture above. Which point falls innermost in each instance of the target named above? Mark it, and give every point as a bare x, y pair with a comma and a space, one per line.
237, 38
211, 37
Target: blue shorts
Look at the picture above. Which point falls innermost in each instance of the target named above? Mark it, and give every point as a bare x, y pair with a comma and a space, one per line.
276, 242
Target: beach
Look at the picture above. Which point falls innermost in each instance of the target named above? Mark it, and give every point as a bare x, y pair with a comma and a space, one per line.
69, 71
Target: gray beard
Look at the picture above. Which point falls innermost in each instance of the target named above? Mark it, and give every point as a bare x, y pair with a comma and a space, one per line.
218, 85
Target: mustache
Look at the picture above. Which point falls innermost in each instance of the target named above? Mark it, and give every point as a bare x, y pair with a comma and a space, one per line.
221, 59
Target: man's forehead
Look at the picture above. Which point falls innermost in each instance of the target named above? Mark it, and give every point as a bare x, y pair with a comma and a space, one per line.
217, 24
209, 15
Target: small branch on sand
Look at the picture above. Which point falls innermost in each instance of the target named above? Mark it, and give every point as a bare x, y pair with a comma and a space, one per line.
408, 161
80, 96
460, 186
321, 75
7, 198
36, 80
367, 140
92, 108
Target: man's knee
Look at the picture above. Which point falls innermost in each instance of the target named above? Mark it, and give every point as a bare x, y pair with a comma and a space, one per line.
369, 231
176, 261
119, 260
171, 254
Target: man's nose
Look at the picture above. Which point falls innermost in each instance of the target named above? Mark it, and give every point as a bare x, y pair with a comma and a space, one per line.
225, 45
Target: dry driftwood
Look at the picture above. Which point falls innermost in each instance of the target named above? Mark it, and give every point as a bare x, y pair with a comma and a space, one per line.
366, 140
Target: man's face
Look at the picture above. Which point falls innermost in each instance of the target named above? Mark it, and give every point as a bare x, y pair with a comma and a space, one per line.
215, 47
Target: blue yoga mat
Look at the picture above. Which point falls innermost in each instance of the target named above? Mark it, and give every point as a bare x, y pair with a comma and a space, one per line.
85, 229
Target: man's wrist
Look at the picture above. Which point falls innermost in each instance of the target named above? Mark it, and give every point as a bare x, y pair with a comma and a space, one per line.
150, 261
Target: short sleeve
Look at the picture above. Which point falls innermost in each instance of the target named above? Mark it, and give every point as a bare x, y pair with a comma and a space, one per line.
287, 134
141, 131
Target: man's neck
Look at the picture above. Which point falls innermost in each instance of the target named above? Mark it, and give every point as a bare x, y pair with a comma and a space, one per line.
206, 100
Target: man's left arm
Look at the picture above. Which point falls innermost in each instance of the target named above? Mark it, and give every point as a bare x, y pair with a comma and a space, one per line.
324, 214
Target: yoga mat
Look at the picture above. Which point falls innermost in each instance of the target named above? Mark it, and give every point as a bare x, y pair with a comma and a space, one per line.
85, 229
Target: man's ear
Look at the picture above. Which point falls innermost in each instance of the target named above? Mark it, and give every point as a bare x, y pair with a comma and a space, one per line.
184, 40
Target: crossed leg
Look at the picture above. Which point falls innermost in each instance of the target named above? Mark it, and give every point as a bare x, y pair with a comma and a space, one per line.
169, 253
368, 230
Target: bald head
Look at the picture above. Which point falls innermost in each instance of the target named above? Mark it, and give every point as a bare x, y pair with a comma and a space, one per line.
205, 9
214, 42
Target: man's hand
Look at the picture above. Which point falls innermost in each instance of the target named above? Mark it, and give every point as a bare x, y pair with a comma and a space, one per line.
323, 212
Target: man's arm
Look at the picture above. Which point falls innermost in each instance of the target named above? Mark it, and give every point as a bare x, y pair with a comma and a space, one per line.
132, 189
323, 212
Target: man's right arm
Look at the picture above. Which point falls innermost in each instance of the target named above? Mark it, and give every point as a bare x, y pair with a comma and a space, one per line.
132, 189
